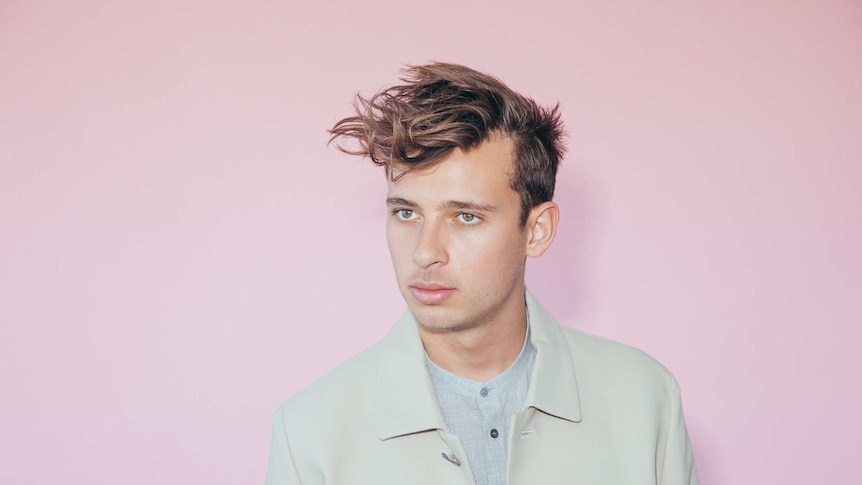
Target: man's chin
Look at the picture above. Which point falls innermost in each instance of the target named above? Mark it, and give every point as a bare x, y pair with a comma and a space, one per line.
437, 320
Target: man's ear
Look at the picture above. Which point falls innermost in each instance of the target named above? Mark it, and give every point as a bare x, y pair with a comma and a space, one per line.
541, 228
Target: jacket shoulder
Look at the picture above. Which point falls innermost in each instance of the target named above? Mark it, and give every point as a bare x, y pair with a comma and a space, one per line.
336, 408
345, 385
601, 358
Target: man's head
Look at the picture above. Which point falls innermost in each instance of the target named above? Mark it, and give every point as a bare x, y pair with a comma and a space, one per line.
443, 107
471, 168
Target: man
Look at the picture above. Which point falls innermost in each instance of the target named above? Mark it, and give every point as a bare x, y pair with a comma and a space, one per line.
476, 383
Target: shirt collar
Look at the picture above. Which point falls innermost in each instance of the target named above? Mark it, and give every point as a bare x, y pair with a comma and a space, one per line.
407, 402
499, 384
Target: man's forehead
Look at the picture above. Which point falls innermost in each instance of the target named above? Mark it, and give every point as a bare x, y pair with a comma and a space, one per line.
452, 189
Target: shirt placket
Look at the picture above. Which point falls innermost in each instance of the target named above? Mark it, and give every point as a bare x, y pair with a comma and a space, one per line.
490, 405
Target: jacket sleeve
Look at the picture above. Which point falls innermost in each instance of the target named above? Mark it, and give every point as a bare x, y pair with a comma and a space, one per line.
281, 469
678, 466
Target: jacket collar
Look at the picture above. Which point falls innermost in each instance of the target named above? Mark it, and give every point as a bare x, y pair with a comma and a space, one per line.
407, 402
553, 386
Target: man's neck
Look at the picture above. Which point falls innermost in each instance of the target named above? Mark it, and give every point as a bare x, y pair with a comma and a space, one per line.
480, 353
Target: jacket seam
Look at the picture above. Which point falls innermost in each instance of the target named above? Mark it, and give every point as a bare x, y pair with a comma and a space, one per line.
667, 429
287, 442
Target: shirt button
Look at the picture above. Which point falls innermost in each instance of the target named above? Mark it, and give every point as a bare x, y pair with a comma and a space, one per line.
484, 392
494, 433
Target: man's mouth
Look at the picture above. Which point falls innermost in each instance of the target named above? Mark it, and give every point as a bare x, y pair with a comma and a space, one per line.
431, 293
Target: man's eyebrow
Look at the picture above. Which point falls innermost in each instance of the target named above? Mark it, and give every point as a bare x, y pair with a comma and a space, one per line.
449, 204
400, 201
472, 206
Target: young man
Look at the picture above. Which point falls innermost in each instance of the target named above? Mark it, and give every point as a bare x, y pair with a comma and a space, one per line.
476, 383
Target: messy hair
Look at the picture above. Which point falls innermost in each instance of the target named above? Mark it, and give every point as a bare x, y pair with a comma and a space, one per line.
441, 107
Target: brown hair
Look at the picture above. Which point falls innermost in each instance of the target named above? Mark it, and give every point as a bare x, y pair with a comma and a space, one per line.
446, 106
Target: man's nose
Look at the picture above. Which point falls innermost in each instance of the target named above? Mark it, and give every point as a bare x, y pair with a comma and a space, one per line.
431, 246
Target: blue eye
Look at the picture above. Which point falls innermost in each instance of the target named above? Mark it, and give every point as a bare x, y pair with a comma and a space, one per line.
469, 219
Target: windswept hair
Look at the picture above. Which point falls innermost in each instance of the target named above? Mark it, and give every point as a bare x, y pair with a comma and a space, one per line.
444, 106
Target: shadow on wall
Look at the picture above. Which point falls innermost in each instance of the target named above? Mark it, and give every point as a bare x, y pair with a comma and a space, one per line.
562, 278
706, 456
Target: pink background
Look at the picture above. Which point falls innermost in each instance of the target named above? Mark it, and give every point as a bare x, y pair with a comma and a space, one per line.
180, 250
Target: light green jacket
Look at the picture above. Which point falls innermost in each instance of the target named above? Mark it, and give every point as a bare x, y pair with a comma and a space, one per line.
597, 412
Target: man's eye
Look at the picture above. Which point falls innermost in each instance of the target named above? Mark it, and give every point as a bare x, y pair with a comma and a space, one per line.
405, 214
468, 218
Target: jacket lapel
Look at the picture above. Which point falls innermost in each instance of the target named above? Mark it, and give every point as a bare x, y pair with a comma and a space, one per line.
407, 402
553, 386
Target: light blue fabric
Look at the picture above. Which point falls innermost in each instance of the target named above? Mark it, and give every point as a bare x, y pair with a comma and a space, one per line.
473, 409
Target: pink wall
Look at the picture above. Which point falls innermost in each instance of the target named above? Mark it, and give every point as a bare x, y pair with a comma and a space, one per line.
178, 246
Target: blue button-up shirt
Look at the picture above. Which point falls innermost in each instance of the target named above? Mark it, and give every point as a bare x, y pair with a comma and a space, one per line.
479, 414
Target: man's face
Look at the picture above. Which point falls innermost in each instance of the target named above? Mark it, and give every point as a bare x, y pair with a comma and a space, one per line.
455, 241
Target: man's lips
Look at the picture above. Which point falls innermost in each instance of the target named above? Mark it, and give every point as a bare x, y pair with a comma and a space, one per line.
430, 293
